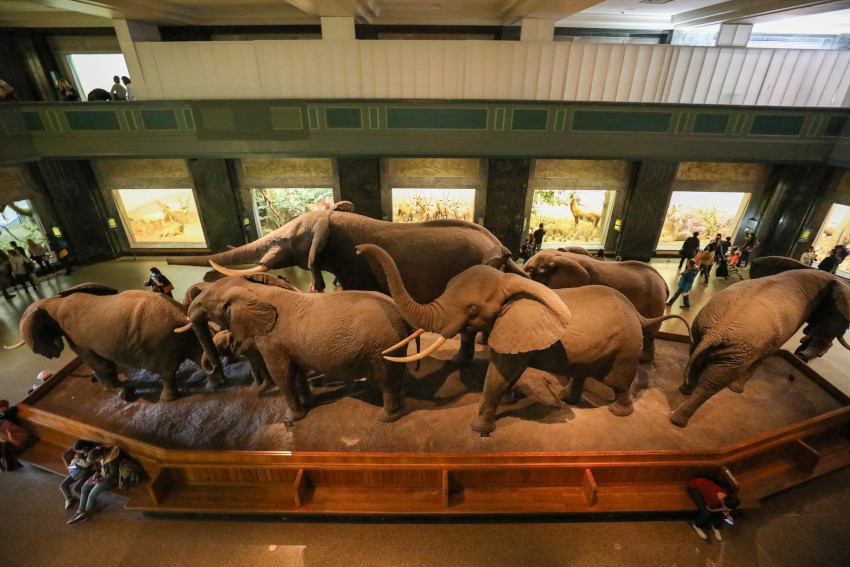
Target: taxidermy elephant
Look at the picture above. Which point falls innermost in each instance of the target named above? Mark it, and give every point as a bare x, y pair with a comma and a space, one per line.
428, 254
598, 335
226, 345
106, 328
638, 281
747, 322
342, 334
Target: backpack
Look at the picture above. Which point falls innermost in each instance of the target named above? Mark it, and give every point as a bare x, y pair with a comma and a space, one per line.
130, 473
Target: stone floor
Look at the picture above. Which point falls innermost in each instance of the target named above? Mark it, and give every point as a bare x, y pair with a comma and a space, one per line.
802, 527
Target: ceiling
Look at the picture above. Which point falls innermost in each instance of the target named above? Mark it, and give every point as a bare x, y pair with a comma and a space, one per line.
612, 14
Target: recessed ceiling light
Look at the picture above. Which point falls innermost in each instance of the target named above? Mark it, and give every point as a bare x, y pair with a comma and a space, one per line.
654, 1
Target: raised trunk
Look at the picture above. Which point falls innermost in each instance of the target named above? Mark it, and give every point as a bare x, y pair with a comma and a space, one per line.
418, 315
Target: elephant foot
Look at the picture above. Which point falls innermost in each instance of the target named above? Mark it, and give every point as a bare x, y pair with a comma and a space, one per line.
621, 410
385, 417
646, 356
462, 359
678, 419
685, 389
291, 415
167, 395
483, 424
738, 388
212, 385
569, 397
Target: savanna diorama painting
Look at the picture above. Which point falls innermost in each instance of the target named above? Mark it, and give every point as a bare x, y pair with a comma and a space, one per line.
417, 205
836, 230
707, 212
571, 217
161, 217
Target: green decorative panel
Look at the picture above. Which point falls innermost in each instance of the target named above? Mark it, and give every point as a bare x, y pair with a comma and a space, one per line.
313, 117
560, 120
500, 119
33, 121
776, 125
612, 121
529, 119
833, 127
437, 118
343, 118
711, 123
739, 124
159, 119
92, 120
189, 118
131, 120
374, 118
682, 123
217, 118
54, 120
287, 118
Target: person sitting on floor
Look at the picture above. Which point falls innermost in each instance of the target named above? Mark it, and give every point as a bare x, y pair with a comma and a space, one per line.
714, 506
79, 471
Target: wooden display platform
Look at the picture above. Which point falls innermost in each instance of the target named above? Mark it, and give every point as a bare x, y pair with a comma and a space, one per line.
274, 482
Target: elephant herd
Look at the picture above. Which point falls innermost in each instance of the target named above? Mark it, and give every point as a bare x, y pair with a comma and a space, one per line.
562, 312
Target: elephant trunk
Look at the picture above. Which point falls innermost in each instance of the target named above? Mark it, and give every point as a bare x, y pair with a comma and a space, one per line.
420, 316
200, 325
250, 253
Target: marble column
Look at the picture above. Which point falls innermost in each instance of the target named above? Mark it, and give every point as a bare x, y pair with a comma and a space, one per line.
507, 189
646, 205
360, 183
217, 203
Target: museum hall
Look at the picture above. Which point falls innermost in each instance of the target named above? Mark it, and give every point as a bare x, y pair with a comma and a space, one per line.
352, 282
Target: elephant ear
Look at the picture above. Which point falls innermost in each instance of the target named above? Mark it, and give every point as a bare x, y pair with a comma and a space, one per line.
248, 315
533, 318
772, 265
496, 257
841, 297
89, 287
41, 332
321, 229
581, 275
268, 279
343, 207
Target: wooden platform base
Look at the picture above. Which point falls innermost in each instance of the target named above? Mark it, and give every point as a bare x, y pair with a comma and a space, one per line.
274, 482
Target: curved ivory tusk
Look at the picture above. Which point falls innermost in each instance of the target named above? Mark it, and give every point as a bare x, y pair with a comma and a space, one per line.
404, 342
840, 340
184, 328
231, 272
437, 344
18, 345
214, 326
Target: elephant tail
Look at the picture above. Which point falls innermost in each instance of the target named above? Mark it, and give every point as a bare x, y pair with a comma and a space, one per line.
644, 322
696, 361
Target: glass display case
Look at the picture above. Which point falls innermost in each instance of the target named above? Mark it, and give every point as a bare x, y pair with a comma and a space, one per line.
417, 205
160, 218
572, 217
274, 207
835, 230
705, 211
19, 222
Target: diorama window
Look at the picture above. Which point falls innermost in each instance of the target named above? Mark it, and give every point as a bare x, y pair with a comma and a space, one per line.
704, 211
572, 217
274, 207
160, 218
95, 70
417, 205
835, 230
19, 222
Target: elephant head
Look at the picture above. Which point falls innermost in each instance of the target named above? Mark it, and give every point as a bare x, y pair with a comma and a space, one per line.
521, 315
297, 243
230, 303
40, 331
557, 270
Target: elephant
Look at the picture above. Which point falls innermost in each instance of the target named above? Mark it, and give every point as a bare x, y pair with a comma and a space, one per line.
428, 254
598, 335
638, 281
342, 334
748, 321
106, 328
226, 345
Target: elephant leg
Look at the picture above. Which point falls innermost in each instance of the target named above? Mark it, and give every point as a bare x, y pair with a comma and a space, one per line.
738, 385
169, 392
647, 353
302, 388
503, 372
388, 376
466, 352
283, 374
714, 380
104, 370
571, 393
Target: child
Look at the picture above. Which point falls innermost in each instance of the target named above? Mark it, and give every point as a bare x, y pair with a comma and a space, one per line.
79, 470
686, 282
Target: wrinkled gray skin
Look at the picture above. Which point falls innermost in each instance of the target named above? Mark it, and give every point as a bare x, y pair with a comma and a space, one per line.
598, 335
428, 254
341, 334
748, 321
638, 281
106, 328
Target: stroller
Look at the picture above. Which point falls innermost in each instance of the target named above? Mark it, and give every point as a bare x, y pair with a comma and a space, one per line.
732, 265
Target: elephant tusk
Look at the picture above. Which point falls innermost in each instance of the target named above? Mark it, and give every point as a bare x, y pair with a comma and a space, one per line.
232, 272
437, 344
843, 342
404, 342
184, 328
18, 345
214, 326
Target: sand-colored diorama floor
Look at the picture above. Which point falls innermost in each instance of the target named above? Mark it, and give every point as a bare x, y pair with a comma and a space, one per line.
441, 401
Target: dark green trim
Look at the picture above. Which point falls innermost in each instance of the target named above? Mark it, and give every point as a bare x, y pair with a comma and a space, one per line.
130, 120
344, 118
54, 120
33, 121
614, 121
560, 120
682, 123
92, 120
834, 126
413, 118
529, 119
499, 121
156, 119
313, 117
776, 125
374, 118
711, 123
189, 118
286, 118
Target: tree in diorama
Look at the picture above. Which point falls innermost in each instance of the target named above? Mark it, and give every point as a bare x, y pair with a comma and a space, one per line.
711, 219
276, 207
25, 225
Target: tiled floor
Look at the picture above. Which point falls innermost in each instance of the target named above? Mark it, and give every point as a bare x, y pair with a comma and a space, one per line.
804, 527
